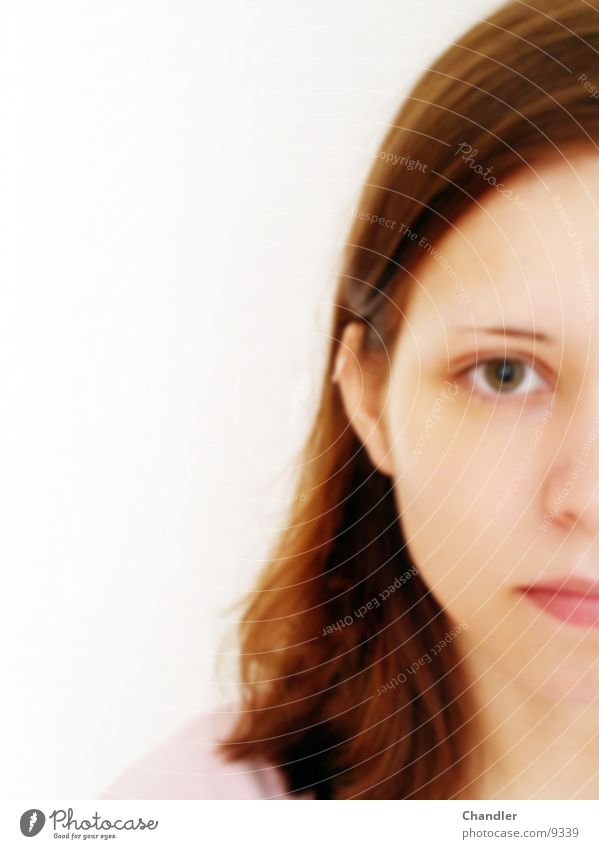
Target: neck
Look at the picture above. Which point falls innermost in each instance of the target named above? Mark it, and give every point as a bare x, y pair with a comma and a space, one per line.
527, 746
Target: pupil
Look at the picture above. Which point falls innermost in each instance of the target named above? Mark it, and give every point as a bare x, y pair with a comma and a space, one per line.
503, 374
505, 371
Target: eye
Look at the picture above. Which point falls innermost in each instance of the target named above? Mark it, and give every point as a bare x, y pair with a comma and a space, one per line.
505, 377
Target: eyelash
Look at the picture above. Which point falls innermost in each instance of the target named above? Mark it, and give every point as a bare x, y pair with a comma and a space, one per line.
504, 360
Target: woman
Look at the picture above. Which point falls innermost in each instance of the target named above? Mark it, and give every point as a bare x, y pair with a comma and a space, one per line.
427, 625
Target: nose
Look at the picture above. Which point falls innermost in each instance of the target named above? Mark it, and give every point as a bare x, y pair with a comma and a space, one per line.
571, 494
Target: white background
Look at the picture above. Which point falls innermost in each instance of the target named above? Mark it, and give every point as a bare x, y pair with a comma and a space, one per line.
176, 181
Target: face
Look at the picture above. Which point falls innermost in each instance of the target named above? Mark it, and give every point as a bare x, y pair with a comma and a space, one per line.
492, 422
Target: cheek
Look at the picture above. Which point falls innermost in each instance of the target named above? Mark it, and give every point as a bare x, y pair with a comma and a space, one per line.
469, 517
464, 511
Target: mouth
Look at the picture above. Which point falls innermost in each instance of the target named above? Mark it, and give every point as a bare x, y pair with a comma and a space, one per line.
573, 600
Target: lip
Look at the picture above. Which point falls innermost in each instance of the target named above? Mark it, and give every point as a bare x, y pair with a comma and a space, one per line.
572, 600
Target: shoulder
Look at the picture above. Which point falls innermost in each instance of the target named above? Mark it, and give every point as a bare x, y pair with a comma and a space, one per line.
187, 765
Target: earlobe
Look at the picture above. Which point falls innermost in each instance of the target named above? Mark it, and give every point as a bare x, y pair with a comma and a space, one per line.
361, 397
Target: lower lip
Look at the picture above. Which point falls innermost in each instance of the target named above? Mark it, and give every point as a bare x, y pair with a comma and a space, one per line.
573, 608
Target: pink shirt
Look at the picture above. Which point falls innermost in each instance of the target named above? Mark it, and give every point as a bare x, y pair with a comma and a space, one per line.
186, 765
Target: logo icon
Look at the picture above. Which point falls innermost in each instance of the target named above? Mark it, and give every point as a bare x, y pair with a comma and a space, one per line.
32, 822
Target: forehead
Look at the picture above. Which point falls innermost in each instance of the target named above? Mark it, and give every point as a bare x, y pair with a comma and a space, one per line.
538, 264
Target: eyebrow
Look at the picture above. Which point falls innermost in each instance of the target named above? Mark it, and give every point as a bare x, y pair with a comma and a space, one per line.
509, 331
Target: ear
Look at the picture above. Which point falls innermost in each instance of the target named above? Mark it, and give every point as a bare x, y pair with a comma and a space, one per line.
362, 393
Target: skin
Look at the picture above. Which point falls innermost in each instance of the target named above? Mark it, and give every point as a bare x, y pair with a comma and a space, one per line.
486, 502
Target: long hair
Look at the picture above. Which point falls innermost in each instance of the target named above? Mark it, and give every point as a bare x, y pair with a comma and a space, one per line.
339, 613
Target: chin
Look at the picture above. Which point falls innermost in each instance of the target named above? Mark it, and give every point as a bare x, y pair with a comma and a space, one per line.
572, 687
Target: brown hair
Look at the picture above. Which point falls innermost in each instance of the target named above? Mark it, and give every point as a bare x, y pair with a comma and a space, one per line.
517, 85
